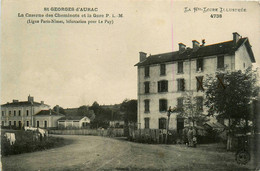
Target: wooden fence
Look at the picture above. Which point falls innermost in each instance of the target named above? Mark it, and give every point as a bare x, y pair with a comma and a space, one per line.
152, 136
97, 132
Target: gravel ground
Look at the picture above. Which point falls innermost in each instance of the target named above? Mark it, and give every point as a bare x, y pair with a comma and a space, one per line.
101, 153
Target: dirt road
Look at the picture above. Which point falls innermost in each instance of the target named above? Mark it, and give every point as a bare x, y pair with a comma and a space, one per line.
100, 153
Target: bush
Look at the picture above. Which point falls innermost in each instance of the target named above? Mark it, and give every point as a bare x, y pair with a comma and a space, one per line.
26, 142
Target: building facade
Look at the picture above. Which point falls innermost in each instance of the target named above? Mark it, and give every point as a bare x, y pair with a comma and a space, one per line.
74, 122
21, 113
164, 79
47, 119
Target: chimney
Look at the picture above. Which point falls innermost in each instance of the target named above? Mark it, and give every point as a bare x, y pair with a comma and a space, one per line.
181, 47
30, 98
236, 37
142, 56
195, 44
15, 101
203, 43
42, 102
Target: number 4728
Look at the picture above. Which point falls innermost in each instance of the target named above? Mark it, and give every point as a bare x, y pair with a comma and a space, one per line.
216, 15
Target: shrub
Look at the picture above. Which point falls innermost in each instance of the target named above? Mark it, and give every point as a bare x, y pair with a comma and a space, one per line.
26, 142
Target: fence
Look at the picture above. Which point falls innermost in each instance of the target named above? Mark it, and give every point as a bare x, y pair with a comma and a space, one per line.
97, 132
156, 136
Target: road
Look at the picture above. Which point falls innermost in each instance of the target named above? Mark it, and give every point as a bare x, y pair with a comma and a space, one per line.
101, 153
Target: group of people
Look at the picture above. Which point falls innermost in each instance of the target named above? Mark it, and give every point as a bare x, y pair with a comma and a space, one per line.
192, 139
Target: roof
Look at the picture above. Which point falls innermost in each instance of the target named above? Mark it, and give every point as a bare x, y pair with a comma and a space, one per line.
48, 113
72, 118
222, 48
22, 103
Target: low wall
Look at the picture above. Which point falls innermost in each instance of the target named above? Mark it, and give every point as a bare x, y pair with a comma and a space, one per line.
97, 132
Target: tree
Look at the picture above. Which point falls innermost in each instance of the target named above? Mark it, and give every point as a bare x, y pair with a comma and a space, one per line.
229, 95
84, 111
129, 108
95, 107
192, 110
60, 109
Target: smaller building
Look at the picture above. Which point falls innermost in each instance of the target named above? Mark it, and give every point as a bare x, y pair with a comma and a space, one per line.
74, 122
116, 124
47, 118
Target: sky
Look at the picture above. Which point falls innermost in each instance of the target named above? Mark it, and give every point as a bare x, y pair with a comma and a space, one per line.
76, 64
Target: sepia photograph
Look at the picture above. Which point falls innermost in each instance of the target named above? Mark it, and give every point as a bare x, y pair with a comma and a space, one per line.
130, 85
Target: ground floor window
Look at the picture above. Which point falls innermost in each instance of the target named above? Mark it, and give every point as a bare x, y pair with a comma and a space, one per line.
10, 123
180, 124
14, 123
3, 123
45, 124
162, 123
20, 124
38, 123
27, 123
146, 123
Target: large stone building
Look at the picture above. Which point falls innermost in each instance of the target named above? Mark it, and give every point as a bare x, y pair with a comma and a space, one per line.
163, 79
28, 113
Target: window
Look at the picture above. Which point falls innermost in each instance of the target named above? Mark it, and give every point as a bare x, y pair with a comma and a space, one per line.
162, 105
146, 123
38, 124
162, 69
180, 125
200, 83
180, 67
27, 112
3, 123
20, 124
45, 124
10, 113
14, 113
146, 105
163, 86
162, 123
181, 84
10, 123
200, 64
19, 113
180, 103
147, 71
146, 87
220, 64
3, 113
14, 123
27, 123
199, 101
